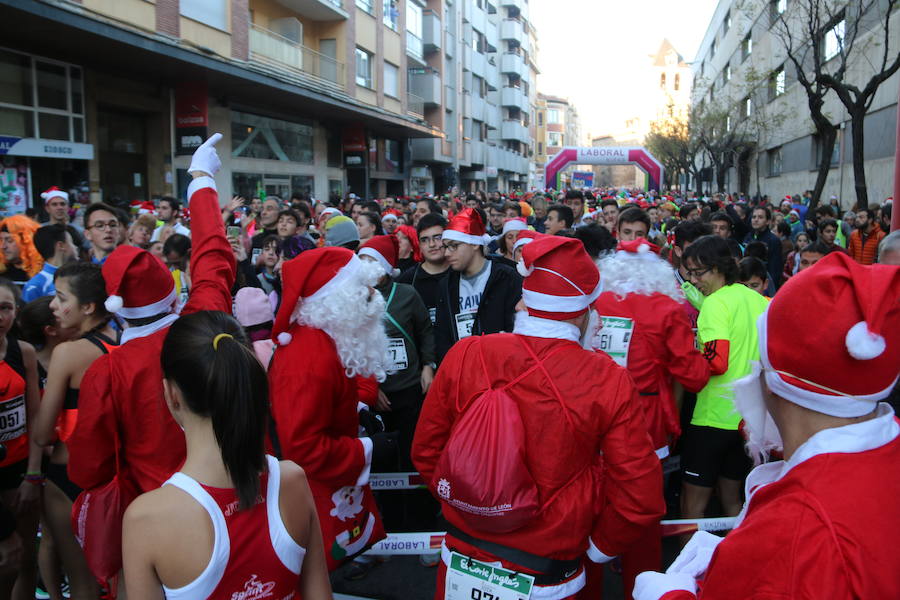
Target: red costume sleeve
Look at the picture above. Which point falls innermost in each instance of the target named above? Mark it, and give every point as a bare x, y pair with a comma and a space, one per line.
684, 361
716, 354
367, 390
92, 446
632, 487
212, 259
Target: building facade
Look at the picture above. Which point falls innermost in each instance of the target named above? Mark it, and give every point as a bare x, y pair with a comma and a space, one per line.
742, 68
556, 126
113, 96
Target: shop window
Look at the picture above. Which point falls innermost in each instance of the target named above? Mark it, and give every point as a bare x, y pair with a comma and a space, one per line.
254, 136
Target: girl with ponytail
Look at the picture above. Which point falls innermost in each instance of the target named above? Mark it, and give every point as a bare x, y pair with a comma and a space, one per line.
234, 519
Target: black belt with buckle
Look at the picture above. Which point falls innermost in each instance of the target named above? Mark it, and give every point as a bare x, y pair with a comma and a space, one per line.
550, 571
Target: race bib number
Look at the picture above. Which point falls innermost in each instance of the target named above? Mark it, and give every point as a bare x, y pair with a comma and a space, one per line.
12, 419
614, 338
465, 322
432, 314
397, 354
469, 579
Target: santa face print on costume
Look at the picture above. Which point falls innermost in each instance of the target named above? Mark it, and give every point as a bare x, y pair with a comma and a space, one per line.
353, 316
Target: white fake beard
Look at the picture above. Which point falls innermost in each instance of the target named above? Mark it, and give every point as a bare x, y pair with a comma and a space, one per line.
355, 321
762, 434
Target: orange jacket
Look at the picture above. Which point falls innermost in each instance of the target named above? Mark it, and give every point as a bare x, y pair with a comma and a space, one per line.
865, 250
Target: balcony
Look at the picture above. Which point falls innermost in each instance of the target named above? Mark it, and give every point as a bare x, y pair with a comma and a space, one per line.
514, 130
477, 155
478, 18
513, 97
512, 64
492, 35
475, 61
317, 10
450, 98
414, 48
276, 51
492, 78
415, 106
492, 115
426, 84
519, 4
512, 30
450, 45
431, 25
431, 150
474, 107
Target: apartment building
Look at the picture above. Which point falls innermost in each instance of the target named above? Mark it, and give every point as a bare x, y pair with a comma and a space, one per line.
476, 86
556, 126
109, 98
742, 66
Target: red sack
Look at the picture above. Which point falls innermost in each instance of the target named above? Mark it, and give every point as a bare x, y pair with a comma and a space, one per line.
97, 524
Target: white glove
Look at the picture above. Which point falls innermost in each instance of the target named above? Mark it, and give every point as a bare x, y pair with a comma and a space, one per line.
651, 585
694, 558
205, 158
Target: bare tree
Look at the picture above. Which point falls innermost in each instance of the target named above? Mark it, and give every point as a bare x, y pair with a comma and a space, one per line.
671, 142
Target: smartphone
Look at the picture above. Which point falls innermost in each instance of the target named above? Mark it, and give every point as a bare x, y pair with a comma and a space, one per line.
233, 231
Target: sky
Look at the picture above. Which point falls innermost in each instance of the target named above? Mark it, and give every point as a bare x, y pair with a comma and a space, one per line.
590, 50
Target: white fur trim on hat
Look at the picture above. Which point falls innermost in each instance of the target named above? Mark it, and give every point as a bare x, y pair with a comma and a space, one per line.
862, 344
465, 238
513, 225
344, 274
523, 270
389, 216
558, 304
47, 196
521, 242
379, 258
142, 312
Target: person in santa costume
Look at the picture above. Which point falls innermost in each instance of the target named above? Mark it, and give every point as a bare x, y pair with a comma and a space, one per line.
331, 338
597, 483
122, 416
820, 523
645, 330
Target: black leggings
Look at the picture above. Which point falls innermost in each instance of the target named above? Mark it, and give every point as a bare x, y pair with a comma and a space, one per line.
60, 477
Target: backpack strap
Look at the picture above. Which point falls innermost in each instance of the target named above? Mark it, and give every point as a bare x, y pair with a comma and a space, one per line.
539, 364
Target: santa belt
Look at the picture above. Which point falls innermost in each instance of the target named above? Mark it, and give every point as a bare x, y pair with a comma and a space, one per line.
550, 571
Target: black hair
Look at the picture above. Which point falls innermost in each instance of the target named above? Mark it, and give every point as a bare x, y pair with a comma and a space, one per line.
431, 220
33, 317
85, 279
784, 229
869, 212
690, 231
609, 202
596, 239
374, 219
686, 210
724, 217
433, 206
712, 252
563, 213
178, 243
575, 195
371, 206
515, 206
226, 384
302, 208
758, 250
46, 238
290, 212
271, 239
751, 267
96, 206
817, 247
633, 215
825, 210
765, 208
173, 202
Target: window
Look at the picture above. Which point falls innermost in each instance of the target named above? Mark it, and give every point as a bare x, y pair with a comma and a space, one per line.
834, 40
726, 24
40, 99
774, 161
391, 14
540, 119
363, 68
747, 107
776, 83
391, 80
662, 81
728, 123
366, 5
677, 85
553, 116
747, 46
555, 139
255, 136
209, 12
776, 9
817, 148
540, 148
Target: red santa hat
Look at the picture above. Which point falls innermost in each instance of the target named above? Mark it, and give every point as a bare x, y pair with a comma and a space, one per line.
467, 227
561, 280
843, 367
54, 192
637, 246
526, 236
385, 249
146, 208
138, 284
313, 274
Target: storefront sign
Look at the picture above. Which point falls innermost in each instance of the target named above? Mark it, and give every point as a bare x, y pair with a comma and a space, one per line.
191, 117
15, 146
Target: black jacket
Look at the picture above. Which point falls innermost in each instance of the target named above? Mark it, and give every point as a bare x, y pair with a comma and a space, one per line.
426, 284
496, 311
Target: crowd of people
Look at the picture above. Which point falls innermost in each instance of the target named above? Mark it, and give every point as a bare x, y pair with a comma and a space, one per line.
197, 395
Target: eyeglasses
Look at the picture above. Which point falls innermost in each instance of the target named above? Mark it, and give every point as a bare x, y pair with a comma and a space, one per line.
697, 273
428, 241
100, 225
451, 247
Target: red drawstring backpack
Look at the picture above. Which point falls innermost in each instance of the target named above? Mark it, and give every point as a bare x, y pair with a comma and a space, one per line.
482, 472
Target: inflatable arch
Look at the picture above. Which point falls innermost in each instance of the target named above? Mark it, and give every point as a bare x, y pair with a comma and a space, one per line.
605, 155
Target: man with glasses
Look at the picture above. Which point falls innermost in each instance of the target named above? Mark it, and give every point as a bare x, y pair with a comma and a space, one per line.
101, 228
478, 296
426, 276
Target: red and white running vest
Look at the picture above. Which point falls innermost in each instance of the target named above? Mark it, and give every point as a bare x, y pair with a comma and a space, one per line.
246, 564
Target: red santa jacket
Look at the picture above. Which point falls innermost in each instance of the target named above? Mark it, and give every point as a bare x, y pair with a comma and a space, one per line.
659, 349
827, 529
601, 508
122, 391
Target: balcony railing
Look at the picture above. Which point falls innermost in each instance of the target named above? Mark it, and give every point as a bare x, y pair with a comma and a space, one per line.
280, 52
414, 46
415, 105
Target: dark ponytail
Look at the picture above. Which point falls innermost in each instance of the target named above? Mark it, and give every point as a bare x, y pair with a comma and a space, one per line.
226, 384
86, 282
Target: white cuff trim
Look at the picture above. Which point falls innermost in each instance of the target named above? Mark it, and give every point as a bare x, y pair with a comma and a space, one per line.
199, 184
596, 555
367, 451
651, 585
